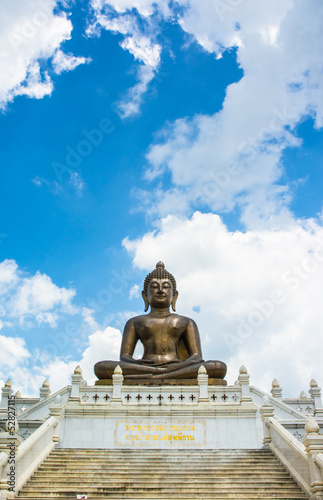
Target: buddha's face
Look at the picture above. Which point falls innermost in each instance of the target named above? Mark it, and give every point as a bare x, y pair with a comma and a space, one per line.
160, 293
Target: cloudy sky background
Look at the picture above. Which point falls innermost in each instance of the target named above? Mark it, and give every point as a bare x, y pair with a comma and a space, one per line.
188, 132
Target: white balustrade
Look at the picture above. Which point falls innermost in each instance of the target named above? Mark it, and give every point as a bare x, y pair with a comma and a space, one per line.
32, 452
290, 452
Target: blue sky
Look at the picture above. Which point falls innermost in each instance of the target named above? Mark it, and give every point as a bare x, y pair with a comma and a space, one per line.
185, 132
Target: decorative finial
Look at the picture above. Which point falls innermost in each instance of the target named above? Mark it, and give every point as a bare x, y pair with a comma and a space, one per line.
118, 370
8, 383
160, 264
18, 395
46, 383
78, 370
202, 370
311, 426
274, 383
302, 395
313, 383
243, 370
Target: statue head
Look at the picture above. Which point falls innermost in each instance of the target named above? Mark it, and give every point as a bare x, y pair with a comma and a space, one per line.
160, 288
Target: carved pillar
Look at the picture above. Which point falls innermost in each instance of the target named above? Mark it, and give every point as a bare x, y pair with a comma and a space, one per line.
276, 390
244, 379
56, 411
266, 411
6, 392
313, 443
117, 380
315, 392
202, 380
44, 391
10, 435
76, 382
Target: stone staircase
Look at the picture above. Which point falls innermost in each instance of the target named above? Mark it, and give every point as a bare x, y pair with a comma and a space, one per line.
161, 474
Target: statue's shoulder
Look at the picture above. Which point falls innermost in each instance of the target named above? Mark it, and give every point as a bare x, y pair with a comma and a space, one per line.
135, 320
184, 320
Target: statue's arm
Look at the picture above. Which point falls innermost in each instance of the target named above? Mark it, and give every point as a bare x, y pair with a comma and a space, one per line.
192, 342
129, 342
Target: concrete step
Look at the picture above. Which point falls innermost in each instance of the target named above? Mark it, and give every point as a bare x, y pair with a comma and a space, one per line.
171, 476
153, 463
140, 494
263, 482
161, 474
170, 459
249, 495
163, 468
192, 464
178, 452
161, 490
139, 463
174, 457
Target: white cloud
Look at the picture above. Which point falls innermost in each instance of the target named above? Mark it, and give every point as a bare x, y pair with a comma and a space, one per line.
58, 372
25, 380
27, 300
8, 275
77, 183
143, 50
14, 359
103, 344
259, 293
234, 157
35, 85
139, 39
145, 7
130, 105
5, 323
39, 294
31, 34
88, 319
67, 62
13, 352
32, 299
134, 291
28, 379
27, 369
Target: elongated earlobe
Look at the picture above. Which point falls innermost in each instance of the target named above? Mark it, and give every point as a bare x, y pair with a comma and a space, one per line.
175, 296
144, 296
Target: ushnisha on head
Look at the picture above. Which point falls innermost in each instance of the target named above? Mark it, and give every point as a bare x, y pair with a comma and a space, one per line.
159, 282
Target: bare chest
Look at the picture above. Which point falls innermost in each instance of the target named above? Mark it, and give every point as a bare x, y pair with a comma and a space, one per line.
163, 330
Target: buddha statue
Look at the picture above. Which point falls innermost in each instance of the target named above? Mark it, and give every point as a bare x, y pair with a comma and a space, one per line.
172, 348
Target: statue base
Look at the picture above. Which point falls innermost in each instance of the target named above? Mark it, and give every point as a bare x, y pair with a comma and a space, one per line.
168, 381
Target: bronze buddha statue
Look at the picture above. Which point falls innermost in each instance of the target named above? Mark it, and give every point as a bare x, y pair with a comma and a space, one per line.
172, 348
